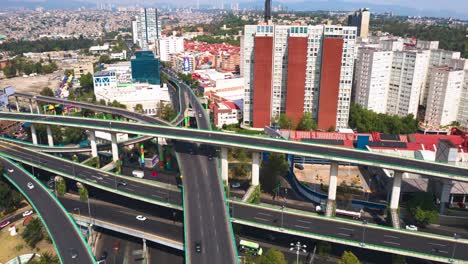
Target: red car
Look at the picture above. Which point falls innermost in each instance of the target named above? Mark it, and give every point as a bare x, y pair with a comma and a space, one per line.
117, 245
154, 173
4, 223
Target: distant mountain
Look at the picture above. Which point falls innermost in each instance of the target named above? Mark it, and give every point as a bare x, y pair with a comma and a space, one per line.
342, 5
47, 4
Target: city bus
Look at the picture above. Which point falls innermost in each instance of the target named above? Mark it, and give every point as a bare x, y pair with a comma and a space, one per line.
251, 247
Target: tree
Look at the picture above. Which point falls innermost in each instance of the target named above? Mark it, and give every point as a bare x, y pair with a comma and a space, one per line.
83, 192
46, 91
74, 135
86, 82
272, 256
422, 208
168, 113
307, 122
61, 188
9, 71
33, 233
104, 59
349, 258
10, 199
286, 122
324, 248
139, 109
271, 171
398, 259
46, 258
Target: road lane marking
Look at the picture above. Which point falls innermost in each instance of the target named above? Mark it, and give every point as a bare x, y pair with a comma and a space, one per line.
304, 227
130, 189
343, 234
157, 196
391, 236
264, 214
347, 229
305, 222
393, 243
436, 244
261, 219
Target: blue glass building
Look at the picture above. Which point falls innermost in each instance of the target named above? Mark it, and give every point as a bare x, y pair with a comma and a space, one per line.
145, 68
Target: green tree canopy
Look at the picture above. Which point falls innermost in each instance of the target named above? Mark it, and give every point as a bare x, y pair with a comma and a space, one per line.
349, 258
307, 122
272, 256
139, 109
86, 82
422, 208
46, 91
286, 122
33, 233
10, 199
46, 258
272, 170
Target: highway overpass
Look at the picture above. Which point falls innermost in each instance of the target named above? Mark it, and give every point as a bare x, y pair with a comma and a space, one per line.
69, 244
254, 143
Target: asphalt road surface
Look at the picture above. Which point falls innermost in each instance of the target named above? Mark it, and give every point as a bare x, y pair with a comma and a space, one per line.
251, 142
97, 176
71, 247
361, 233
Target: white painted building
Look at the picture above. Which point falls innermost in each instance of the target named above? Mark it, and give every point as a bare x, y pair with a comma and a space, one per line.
226, 113
463, 109
170, 45
427, 45
372, 78
408, 76
443, 101
147, 27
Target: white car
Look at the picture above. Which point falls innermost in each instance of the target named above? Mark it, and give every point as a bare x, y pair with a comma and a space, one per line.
30, 185
11, 170
141, 218
412, 227
29, 212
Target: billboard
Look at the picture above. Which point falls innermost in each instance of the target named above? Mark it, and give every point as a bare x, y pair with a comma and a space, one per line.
205, 61
186, 65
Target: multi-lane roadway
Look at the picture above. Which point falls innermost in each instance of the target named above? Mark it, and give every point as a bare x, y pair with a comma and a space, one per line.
70, 245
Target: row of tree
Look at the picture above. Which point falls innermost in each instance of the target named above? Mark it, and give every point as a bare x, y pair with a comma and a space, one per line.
18, 47
284, 121
364, 121
19, 65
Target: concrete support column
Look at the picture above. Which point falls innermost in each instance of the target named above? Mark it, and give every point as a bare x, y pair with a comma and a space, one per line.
92, 139
50, 138
33, 134
224, 165
17, 104
255, 168
331, 201
396, 189
115, 148
160, 149
38, 108
30, 106
445, 195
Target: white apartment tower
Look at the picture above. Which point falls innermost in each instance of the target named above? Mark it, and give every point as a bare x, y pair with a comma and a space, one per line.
170, 45
148, 27
372, 78
443, 101
463, 108
408, 76
295, 69
360, 19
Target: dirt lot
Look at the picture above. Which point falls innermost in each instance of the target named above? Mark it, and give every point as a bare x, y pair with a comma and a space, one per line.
316, 174
33, 84
15, 246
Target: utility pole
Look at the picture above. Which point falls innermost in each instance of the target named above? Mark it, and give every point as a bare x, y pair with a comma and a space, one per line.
364, 223
299, 248
455, 237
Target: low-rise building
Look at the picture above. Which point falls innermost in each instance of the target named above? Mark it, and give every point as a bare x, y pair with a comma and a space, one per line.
225, 113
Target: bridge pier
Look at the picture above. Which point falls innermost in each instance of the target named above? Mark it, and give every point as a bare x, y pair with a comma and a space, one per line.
395, 199
38, 108
331, 201
31, 106
224, 165
445, 195
92, 139
33, 134
50, 138
17, 104
160, 149
255, 168
115, 148
144, 248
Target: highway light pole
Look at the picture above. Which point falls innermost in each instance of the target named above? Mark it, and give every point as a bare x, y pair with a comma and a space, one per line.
299, 248
364, 223
455, 237
282, 214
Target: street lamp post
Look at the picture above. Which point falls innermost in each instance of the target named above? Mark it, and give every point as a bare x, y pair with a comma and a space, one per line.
364, 223
455, 237
282, 214
299, 248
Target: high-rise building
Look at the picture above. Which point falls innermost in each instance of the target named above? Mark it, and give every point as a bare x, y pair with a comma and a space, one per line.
147, 27
267, 15
437, 58
360, 19
170, 45
372, 78
462, 117
145, 68
443, 101
408, 76
295, 69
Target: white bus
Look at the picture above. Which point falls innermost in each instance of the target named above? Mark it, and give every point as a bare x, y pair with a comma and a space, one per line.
251, 247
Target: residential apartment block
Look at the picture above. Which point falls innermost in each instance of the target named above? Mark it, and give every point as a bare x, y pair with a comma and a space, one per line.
295, 69
146, 28
360, 19
170, 45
